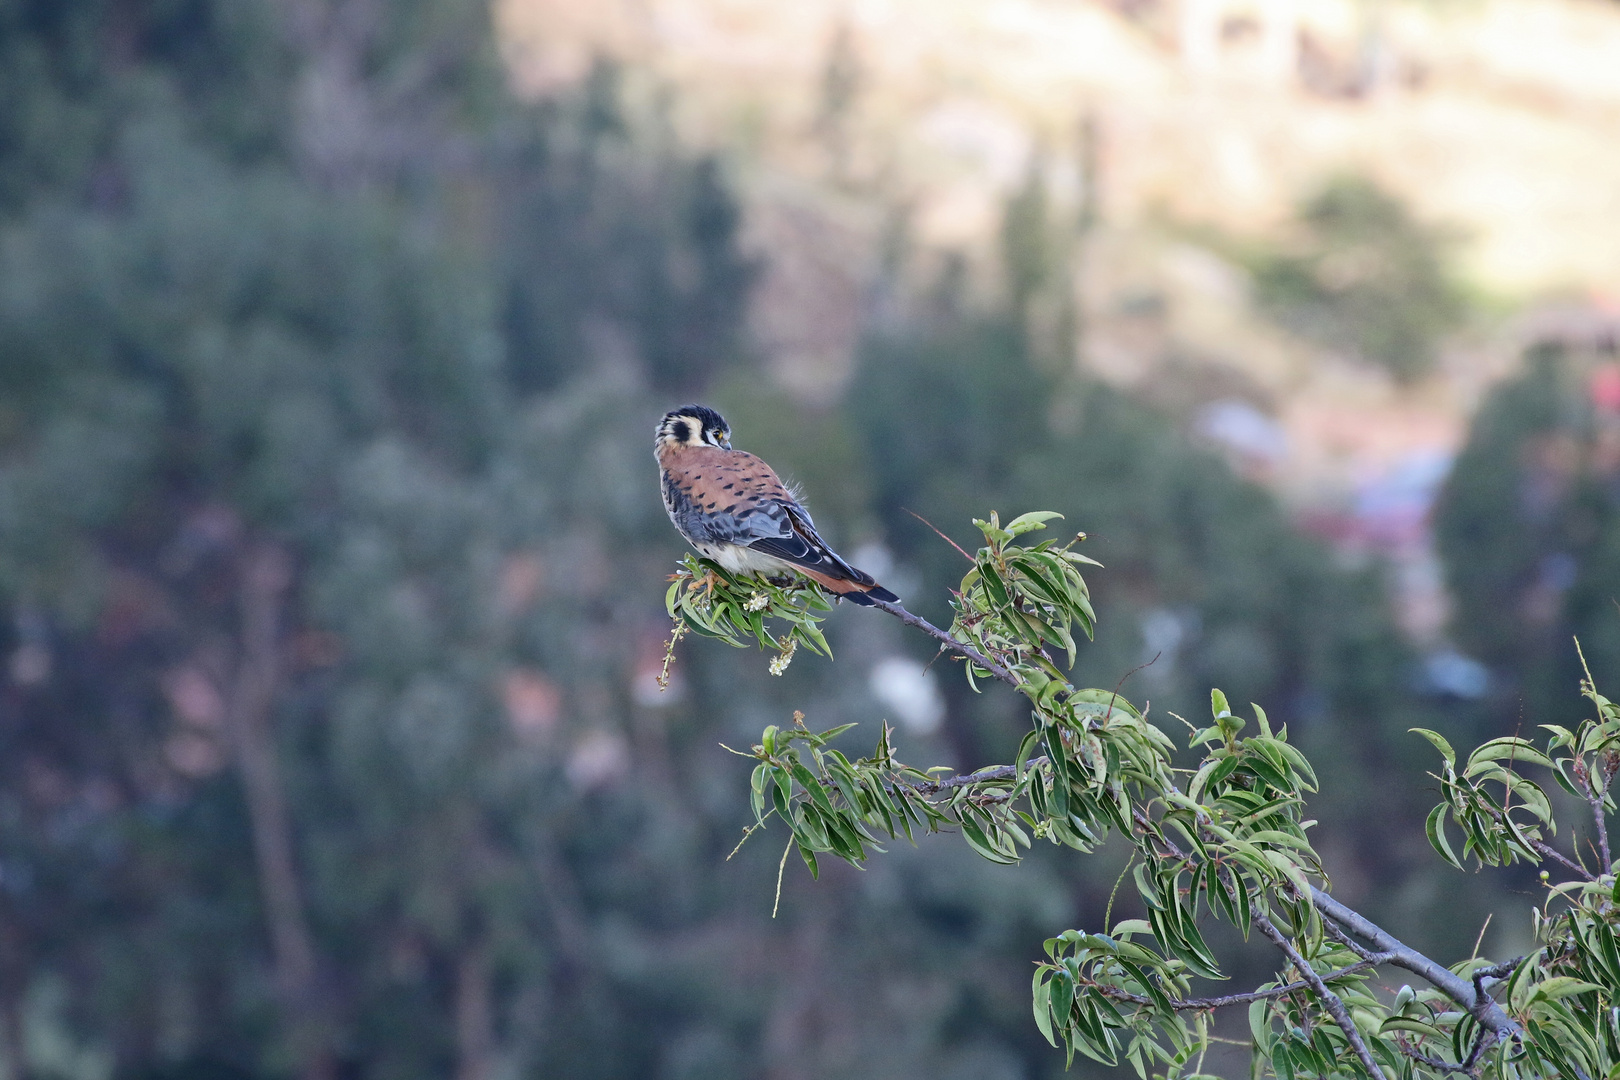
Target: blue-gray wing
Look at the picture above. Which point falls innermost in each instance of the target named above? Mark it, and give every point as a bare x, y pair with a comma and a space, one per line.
717, 496
804, 547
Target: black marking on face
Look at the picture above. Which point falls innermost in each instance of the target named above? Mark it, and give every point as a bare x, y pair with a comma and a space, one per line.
681, 431
708, 422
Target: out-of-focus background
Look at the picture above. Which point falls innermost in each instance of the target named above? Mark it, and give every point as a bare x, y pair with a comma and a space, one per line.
332, 336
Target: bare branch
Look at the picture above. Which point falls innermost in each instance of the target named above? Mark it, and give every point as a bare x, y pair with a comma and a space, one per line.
937, 533
1495, 971
1439, 1064
1330, 1000
1331, 929
948, 642
1594, 799
265, 576
1487, 1012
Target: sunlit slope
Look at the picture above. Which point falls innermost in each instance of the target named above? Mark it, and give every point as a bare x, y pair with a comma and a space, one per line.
1501, 117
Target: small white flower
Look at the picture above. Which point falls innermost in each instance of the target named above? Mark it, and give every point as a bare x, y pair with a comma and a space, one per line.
783, 659
757, 602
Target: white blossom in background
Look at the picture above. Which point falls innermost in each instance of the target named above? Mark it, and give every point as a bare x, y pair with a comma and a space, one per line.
598, 759
903, 685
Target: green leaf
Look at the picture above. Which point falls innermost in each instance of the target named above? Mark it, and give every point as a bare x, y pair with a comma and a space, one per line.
1435, 826
809, 858
1561, 986
1062, 997
1041, 991
1511, 747
1406, 1023
812, 786
1035, 519
994, 585
1440, 744
980, 843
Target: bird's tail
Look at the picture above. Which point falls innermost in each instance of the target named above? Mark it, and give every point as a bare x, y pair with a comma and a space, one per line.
864, 598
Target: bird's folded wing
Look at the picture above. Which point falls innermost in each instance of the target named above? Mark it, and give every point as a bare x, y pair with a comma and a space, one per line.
803, 547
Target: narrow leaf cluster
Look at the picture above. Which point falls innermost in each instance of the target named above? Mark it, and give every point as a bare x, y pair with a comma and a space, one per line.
1227, 839
715, 603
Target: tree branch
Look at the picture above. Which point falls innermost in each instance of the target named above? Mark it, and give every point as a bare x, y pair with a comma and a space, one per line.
1548, 851
1495, 971
1594, 799
1439, 1064
1482, 1041
946, 641
1330, 1000
1210, 1003
265, 577
994, 772
1487, 1012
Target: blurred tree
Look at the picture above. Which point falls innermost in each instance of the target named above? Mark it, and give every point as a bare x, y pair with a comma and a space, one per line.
271, 499
1364, 278
1527, 526
842, 80
616, 247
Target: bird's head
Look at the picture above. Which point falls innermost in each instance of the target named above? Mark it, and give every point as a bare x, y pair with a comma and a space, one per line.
693, 425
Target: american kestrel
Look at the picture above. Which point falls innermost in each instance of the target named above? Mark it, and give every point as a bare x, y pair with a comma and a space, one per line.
731, 506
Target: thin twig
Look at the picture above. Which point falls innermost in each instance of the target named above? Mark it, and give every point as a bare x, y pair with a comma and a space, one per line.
937, 533
1486, 925
1329, 999
1433, 1062
1108, 912
1594, 799
1115, 696
750, 831
1331, 929
1548, 851
781, 868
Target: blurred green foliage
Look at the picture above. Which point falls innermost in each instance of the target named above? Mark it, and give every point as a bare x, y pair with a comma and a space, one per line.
1528, 525
1362, 277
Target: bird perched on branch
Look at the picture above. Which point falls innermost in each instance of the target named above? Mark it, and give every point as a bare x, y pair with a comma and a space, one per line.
731, 506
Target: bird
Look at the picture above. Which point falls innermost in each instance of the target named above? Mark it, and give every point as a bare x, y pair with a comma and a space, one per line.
733, 508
